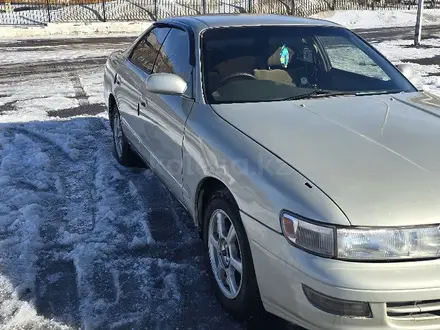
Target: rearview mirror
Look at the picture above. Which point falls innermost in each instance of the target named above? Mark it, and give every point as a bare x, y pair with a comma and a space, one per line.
406, 69
166, 83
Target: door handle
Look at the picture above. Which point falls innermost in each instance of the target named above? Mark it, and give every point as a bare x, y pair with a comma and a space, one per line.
116, 80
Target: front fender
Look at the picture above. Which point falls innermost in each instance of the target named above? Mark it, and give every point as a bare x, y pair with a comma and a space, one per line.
262, 184
110, 70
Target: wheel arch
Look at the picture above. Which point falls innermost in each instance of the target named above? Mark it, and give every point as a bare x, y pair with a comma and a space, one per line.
111, 108
205, 189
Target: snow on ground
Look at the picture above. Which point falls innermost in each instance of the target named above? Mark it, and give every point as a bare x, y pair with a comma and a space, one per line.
51, 53
51, 97
93, 29
397, 50
75, 224
425, 60
136, 11
135, 16
84, 242
45, 53
357, 19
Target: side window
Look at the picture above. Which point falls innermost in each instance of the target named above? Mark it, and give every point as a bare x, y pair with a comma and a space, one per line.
174, 55
144, 53
346, 56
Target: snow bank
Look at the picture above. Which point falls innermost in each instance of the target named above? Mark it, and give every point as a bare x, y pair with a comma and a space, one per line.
360, 19
424, 60
396, 50
349, 18
94, 29
51, 53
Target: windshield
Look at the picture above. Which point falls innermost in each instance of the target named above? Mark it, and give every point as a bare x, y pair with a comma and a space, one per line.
272, 63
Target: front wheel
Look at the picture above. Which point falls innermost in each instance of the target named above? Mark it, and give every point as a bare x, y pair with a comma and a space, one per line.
123, 152
230, 258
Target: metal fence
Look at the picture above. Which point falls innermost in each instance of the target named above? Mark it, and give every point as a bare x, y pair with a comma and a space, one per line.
41, 12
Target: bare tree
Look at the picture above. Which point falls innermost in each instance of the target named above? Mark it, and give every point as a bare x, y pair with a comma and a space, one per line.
192, 10
240, 9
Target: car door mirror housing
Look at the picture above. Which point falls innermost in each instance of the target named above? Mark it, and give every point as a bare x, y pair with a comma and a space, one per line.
166, 83
406, 69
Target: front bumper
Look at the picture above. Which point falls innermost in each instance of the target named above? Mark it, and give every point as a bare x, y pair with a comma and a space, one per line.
401, 295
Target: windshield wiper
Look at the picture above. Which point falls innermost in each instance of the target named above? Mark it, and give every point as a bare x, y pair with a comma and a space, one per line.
317, 93
393, 91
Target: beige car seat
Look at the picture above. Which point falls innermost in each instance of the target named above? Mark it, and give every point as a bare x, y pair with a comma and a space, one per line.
223, 69
234, 65
278, 75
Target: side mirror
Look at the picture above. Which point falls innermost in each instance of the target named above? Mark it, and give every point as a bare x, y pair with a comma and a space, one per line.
166, 83
406, 69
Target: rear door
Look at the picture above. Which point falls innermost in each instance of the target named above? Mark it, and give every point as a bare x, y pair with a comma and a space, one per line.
165, 116
130, 81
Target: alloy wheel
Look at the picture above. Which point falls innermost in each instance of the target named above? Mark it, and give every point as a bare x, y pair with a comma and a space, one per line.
117, 134
225, 254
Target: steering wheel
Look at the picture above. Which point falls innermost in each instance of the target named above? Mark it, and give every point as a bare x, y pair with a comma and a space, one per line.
240, 75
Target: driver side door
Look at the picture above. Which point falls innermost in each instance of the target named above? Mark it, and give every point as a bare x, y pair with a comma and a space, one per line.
131, 81
164, 116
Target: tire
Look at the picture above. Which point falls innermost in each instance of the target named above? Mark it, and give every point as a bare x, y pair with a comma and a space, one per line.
244, 304
122, 150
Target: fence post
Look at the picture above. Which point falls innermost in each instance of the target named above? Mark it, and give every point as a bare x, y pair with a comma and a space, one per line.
48, 10
103, 11
250, 6
8, 7
418, 32
155, 10
204, 6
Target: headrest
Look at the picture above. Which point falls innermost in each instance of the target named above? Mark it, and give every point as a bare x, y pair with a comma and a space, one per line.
282, 52
239, 64
277, 75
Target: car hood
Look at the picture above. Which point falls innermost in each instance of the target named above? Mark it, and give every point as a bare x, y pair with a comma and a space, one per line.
377, 157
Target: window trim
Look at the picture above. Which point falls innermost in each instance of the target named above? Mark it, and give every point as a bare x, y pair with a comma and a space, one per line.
188, 30
192, 48
204, 95
155, 60
145, 35
137, 41
191, 57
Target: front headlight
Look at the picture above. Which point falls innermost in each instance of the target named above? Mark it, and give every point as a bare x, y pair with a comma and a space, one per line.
389, 243
312, 237
375, 244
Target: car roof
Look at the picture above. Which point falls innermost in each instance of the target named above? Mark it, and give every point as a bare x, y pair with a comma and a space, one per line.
201, 22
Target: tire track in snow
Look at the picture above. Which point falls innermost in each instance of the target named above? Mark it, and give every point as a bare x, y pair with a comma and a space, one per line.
170, 225
55, 68
52, 273
115, 250
79, 225
34, 158
120, 227
80, 93
175, 262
